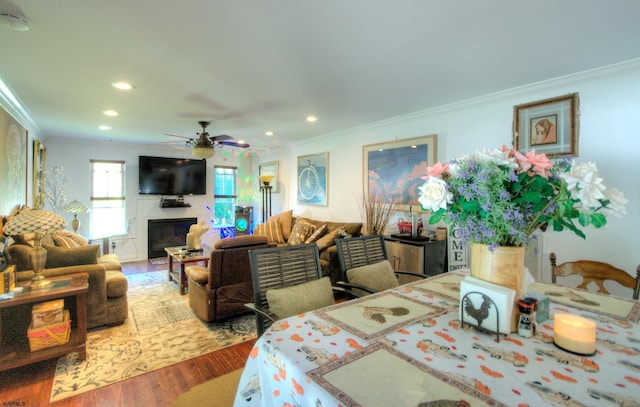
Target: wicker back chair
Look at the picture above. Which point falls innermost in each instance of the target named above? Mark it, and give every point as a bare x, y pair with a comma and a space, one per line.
363, 251
280, 267
596, 272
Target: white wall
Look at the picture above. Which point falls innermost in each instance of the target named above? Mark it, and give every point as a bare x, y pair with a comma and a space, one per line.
609, 136
74, 156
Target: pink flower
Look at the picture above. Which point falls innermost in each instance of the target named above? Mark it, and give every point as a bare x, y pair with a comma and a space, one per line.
534, 163
437, 170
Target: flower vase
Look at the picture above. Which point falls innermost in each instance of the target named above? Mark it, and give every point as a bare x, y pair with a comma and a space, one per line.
504, 266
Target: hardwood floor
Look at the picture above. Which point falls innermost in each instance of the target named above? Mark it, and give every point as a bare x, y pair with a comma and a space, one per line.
30, 386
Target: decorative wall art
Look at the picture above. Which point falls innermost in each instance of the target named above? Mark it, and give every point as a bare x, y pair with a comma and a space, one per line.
270, 168
39, 158
549, 126
394, 169
313, 171
13, 163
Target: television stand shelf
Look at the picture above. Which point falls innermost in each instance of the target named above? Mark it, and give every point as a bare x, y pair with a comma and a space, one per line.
174, 203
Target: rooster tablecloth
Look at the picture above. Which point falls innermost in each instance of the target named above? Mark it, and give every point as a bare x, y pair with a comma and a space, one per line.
406, 347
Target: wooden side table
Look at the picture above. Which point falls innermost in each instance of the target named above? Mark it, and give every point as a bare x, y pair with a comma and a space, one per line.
175, 253
14, 349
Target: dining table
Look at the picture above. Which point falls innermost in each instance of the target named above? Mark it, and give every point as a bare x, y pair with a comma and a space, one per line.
406, 346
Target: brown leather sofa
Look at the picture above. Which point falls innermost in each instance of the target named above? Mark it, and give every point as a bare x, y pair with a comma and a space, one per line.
221, 290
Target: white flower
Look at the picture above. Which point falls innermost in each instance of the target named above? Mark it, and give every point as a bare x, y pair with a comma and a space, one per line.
617, 202
501, 158
434, 194
584, 184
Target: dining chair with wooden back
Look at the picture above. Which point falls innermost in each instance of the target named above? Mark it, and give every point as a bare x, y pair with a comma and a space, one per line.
595, 272
288, 281
365, 265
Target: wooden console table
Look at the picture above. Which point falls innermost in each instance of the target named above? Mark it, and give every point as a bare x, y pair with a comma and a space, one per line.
14, 349
182, 258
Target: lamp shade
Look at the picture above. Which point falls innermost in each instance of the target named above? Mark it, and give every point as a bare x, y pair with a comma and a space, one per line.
266, 179
34, 220
203, 152
75, 207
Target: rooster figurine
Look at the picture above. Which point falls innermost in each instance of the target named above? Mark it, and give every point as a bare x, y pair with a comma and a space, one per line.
478, 314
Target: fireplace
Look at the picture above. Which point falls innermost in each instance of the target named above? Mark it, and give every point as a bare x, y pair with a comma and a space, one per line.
163, 233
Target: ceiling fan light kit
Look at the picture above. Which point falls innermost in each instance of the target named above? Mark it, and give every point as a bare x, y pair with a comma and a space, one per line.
203, 152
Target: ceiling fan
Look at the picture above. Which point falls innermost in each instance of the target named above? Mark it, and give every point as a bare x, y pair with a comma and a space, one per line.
204, 146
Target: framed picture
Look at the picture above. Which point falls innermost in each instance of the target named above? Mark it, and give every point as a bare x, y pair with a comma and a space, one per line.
549, 126
394, 169
39, 158
270, 168
313, 171
13, 163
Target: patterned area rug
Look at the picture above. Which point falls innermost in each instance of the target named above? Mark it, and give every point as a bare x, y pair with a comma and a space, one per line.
161, 330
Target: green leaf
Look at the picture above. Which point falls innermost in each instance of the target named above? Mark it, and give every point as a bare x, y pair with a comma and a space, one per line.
598, 220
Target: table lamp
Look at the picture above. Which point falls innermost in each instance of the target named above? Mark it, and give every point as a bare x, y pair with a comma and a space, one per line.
75, 207
38, 221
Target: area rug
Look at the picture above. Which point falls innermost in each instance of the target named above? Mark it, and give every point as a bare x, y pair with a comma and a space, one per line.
161, 330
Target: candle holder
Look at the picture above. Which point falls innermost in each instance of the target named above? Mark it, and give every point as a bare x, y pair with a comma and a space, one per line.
574, 334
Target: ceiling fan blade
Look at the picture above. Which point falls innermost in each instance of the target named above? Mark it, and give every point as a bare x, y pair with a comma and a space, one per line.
234, 144
175, 135
221, 137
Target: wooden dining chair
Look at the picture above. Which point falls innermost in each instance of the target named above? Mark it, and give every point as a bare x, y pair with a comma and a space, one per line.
365, 265
288, 281
596, 272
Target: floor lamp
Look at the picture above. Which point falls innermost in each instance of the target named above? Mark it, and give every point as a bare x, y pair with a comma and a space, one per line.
266, 196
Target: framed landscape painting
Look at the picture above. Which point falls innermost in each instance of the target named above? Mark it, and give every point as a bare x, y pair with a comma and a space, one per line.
313, 170
549, 126
394, 169
13, 165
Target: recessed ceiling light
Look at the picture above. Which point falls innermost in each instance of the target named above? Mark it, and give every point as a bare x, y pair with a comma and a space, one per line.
268, 133
122, 85
111, 113
312, 119
105, 128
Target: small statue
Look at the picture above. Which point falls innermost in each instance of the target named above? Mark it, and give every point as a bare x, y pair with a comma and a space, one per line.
194, 237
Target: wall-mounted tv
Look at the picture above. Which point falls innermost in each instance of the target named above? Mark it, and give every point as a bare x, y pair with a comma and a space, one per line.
172, 176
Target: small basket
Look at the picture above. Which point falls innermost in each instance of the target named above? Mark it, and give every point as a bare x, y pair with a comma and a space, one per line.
50, 335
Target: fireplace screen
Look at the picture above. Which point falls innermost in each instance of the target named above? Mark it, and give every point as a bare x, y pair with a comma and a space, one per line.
167, 233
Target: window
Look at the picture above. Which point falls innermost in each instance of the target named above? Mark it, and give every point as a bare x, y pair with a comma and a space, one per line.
224, 195
107, 198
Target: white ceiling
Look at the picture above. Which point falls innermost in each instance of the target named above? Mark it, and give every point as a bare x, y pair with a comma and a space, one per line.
257, 65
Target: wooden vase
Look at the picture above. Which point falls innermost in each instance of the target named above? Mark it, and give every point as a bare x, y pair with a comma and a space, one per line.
504, 266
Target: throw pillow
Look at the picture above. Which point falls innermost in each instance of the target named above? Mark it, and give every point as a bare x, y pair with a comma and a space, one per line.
286, 220
80, 240
301, 232
63, 257
377, 276
321, 231
328, 240
271, 230
63, 241
294, 300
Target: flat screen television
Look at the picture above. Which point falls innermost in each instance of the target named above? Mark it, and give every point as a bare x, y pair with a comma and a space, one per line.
172, 176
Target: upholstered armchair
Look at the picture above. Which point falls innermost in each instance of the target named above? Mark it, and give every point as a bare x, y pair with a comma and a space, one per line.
221, 290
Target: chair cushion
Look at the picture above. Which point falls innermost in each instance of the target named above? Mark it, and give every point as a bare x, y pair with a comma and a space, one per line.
378, 276
271, 230
286, 221
63, 257
294, 300
301, 232
328, 240
321, 231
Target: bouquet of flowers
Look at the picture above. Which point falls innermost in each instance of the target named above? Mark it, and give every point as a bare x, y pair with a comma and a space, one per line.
501, 197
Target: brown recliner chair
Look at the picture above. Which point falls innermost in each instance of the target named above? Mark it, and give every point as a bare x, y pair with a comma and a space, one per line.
221, 290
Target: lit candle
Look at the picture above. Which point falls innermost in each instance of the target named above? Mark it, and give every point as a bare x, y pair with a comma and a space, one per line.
574, 333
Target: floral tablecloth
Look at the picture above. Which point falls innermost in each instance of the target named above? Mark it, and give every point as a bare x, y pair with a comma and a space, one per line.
406, 347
